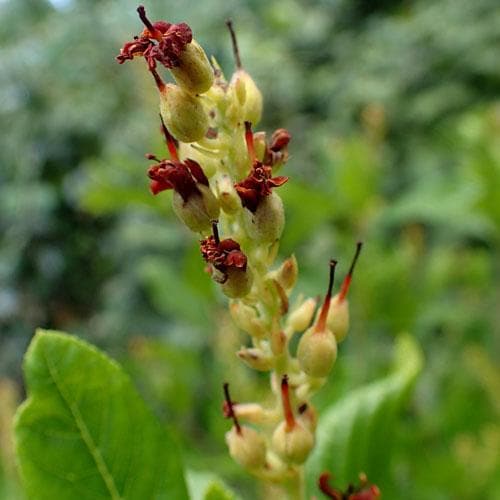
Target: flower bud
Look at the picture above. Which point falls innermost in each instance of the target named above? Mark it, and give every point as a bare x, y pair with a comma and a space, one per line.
183, 114
228, 198
198, 211
266, 224
317, 349
249, 96
287, 274
291, 440
259, 139
193, 73
256, 358
301, 317
247, 319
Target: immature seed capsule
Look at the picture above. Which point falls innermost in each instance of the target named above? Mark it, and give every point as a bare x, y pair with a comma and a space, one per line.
291, 440
337, 320
317, 349
267, 222
198, 211
183, 114
194, 73
246, 445
243, 87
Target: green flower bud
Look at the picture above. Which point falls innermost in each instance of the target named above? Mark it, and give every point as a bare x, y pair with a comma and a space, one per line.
246, 318
228, 198
256, 358
287, 274
183, 114
301, 317
199, 210
248, 95
266, 224
194, 73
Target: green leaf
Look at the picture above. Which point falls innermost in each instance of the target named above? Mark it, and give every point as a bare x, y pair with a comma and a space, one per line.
355, 433
85, 433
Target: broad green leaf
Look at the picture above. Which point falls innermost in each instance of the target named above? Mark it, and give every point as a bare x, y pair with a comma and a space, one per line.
85, 433
207, 486
355, 433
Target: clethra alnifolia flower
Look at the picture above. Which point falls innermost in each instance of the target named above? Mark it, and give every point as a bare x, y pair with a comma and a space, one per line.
159, 42
364, 491
264, 217
173, 46
193, 201
260, 182
229, 263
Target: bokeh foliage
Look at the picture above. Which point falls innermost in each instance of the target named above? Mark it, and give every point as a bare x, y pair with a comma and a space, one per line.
393, 107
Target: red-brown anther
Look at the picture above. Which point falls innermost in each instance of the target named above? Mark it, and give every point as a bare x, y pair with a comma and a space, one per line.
287, 405
260, 180
347, 280
320, 325
228, 410
324, 486
222, 254
182, 176
364, 491
277, 151
159, 42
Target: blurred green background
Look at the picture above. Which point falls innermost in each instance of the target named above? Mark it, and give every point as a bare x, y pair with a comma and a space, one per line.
394, 111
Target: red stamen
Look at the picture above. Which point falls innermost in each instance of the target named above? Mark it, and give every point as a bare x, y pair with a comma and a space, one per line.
287, 407
249, 141
347, 280
149, 25
215, 230
172, 148
324, 486
236, 51
320, 325
229, 408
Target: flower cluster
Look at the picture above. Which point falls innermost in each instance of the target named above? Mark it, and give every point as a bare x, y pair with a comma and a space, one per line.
223, 175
